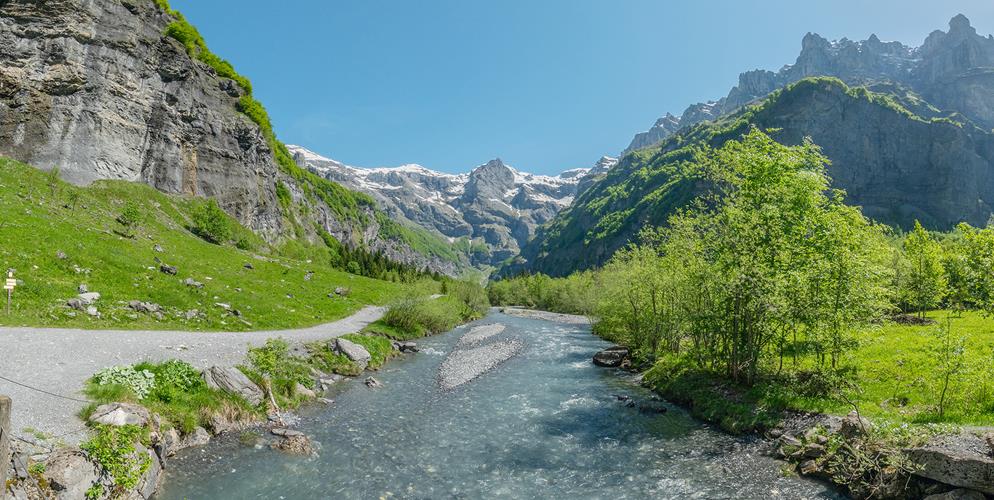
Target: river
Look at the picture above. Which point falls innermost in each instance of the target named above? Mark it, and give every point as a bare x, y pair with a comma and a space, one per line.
545, 424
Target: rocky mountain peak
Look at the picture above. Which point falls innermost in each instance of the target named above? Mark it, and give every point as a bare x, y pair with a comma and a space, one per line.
953, 70
959, 24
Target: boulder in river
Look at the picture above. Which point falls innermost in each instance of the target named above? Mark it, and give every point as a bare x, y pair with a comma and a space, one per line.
407, 347
295, 444
355, 352
233, 381
372, 383
612, 357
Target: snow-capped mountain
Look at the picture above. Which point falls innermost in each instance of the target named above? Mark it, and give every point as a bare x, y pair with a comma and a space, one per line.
494, 208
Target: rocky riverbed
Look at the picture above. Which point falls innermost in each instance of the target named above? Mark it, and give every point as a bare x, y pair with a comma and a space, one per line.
542, 421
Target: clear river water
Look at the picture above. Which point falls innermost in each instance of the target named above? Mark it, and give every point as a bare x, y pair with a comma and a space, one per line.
544, 424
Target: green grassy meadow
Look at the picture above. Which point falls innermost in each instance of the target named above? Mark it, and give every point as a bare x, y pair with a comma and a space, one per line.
58, 236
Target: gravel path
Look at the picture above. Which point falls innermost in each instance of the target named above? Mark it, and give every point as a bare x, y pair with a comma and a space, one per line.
60, 360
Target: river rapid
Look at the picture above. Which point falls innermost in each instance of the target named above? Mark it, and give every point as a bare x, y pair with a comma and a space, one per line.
544, 424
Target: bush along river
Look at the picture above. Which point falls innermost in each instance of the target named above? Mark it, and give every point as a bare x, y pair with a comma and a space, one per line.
505, 407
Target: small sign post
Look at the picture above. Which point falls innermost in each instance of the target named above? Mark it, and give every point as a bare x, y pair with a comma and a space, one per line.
9, 286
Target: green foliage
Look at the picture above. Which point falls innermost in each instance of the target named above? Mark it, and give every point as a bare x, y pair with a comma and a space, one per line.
37, 468
114, 449
925, 284
978, 256
574, 294
422, 316
132, 215
274, 368
179, 395
211, 223
139, 382
283, 195
196, 47
419, 316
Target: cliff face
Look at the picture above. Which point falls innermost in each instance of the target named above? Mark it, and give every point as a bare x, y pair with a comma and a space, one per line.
95, 89
897, 165
953, 70
494, 207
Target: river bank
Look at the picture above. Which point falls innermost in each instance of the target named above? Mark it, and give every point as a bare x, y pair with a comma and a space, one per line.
139, 415
866, 459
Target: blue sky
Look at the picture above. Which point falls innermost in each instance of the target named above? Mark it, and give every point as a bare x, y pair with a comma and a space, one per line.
546, 85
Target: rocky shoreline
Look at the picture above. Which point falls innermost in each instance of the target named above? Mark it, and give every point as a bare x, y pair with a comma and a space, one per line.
40, 470
854, 454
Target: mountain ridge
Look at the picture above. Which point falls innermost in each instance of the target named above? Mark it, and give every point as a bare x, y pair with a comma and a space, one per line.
945, 67
492, 209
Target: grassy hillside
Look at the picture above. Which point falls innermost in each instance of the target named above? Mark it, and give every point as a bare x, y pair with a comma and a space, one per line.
59, 236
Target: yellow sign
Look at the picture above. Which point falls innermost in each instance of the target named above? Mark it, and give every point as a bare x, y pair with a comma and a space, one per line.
11, 283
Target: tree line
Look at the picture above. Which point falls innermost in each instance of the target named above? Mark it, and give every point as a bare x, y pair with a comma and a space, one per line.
767, 266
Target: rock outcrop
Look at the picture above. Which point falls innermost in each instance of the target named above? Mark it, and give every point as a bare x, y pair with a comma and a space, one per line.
953, 70
97, 89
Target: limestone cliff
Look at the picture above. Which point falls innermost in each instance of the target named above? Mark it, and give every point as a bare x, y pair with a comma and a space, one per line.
97, 89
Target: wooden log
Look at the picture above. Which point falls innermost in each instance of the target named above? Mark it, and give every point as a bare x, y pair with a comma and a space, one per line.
5, 433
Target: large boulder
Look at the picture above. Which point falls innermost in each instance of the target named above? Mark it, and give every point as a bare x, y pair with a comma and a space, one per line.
958, 461
611, 357
120, 414
355, 352
70, 474
959, 494
233, 381
150, 480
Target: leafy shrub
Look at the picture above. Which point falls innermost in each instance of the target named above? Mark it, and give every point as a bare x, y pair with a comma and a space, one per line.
141, 383
132, 215
178, 374
273, 360
187, 34
211, 223
421, 316
472, 295
114, 449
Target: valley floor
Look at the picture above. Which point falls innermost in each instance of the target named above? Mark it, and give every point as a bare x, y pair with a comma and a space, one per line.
56, 363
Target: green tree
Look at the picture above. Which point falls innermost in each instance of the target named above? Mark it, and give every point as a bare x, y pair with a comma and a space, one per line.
211, 223
925, 284
132, 216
